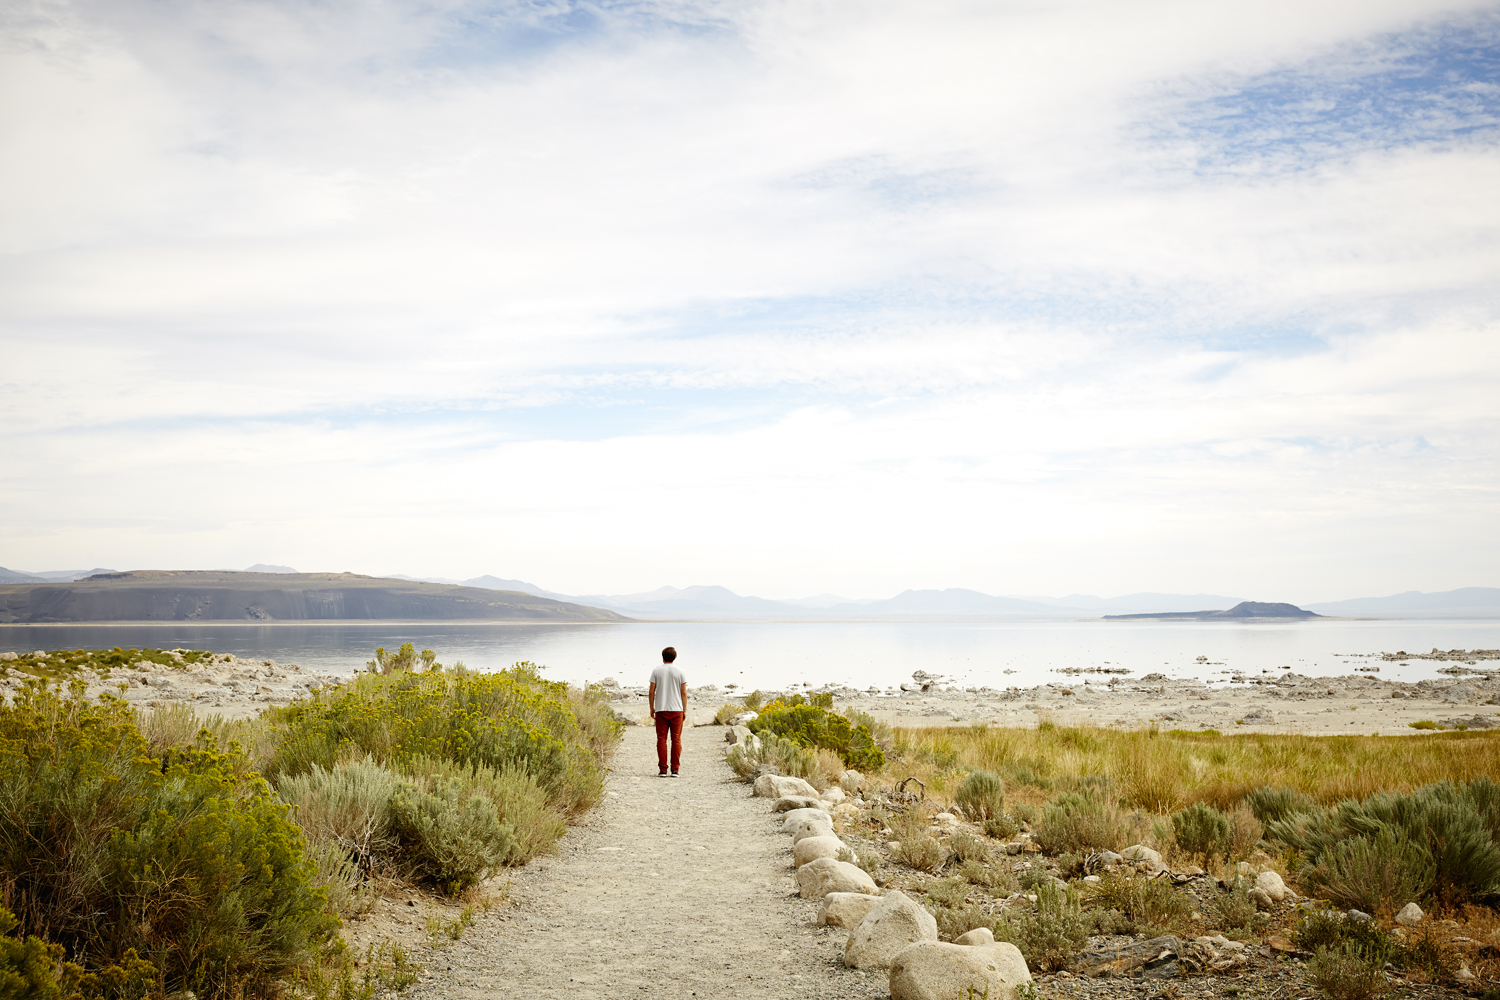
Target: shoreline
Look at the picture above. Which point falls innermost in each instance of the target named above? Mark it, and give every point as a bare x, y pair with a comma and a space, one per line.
1287, 703
1467, 697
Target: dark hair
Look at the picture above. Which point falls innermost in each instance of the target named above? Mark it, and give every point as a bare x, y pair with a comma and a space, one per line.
668, 655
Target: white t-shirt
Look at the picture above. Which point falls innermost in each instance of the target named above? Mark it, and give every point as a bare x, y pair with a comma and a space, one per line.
669, 680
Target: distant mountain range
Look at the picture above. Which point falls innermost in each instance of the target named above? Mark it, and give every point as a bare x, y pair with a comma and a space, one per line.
1465, 602
714, 602
50, 576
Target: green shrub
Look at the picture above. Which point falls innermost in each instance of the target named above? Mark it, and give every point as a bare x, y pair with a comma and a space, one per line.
754, 700
787, 757
812, 727
1344, 974
922, 853
1080, 822
1370, 873
967, 847
382, 969
1456, 823
1269, 804
513, 718
519, 801
1334, 932
1423, 724
1144, 900
1427, 957
348, 806
1235, 909
725, 713
982, 795
340, 880
1001, 828
186, 858
34, 969
1202, 831
1051, 933
450, 836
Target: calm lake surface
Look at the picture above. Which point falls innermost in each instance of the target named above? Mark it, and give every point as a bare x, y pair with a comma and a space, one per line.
779, 654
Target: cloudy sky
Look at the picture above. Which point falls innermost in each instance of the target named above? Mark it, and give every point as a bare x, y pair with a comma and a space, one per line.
787, 296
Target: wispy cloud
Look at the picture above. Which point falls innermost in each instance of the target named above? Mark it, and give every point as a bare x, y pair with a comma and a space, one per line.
1088, 297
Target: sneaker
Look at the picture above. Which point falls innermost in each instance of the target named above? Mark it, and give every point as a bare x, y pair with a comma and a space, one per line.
674, 774
663, 774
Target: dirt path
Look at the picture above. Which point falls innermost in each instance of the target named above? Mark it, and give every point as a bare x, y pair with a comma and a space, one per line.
676, 888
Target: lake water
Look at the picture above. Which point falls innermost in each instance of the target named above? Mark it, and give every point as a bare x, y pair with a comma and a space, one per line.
776, 655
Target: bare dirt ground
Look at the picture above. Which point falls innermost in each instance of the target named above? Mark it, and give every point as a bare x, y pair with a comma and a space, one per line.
674, 888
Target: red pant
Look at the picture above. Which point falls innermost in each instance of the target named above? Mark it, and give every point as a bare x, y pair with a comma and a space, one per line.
668, 722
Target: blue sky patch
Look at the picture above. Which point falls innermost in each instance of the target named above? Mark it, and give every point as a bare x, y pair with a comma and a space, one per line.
1430, 86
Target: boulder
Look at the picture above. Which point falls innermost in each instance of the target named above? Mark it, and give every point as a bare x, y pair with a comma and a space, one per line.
796, 816
932, 970
811, 828
1110, 858
1410, 916
777, 786
817, 879
812, 848
744, 718
1261, 898
1140, 852
846, 909
978, 937
1271, 884
897, 922
834, 796
946, 820
789, 802
736, 734
851, 781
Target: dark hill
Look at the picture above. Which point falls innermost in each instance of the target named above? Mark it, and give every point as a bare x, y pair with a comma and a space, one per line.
1240, 612
163, 595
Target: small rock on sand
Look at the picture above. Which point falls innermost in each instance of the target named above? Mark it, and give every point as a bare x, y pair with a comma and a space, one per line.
1271, 884
818, 878
810, 849
790, 821
1410, 916
897, 922
932, 970
789, 802
811, 828
777, 786
846, 909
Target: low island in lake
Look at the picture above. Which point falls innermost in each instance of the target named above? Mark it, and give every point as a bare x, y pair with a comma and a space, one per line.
1253, 610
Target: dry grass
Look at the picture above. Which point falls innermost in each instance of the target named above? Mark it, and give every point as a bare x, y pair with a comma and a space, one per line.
1164, 771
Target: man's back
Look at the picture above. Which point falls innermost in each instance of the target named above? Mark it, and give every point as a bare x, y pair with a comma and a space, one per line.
669, 680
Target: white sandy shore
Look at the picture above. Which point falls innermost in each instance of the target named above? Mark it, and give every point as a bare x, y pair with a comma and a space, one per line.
1274, 703
225, 685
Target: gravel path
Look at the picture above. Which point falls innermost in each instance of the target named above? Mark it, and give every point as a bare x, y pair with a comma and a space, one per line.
675, 888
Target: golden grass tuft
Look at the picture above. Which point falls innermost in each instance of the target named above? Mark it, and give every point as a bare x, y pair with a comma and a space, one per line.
1164, 771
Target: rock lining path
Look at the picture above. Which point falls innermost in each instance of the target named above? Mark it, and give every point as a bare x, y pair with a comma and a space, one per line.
673, 888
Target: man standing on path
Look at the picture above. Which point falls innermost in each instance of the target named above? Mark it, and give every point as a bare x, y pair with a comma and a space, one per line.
668, 696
